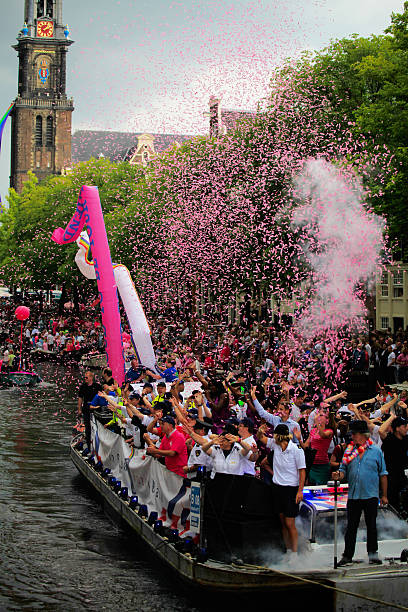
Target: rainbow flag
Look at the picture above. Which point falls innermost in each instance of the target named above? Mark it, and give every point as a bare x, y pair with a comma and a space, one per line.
2, 124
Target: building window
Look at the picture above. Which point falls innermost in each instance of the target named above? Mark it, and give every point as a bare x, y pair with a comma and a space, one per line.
398, 292
384, 278
40, 8
49, 135
45, 8
384, 290
385, 322
38, 131
398, 277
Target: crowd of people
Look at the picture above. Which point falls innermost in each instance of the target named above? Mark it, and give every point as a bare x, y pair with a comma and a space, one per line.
262, 406
276, 432
66, 337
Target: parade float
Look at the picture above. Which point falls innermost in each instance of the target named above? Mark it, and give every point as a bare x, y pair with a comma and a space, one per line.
218, 532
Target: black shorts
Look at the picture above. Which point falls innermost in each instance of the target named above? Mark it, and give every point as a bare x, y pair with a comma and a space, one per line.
284, 499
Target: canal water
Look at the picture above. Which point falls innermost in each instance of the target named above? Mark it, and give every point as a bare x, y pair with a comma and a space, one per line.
58, 550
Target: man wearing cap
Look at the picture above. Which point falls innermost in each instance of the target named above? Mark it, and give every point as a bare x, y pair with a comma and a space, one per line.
245, 432
289, 474
364, 466
228, 450
172, 447
395, 449
199, 433
161, 390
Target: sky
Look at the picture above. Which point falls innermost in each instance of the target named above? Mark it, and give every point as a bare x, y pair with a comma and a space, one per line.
143, 66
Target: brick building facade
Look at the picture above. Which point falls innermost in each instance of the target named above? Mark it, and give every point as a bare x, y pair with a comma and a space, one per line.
41, 117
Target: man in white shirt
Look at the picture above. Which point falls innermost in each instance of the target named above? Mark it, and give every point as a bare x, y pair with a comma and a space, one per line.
289, 473
227, 452
245, 432
199, 434
298, 397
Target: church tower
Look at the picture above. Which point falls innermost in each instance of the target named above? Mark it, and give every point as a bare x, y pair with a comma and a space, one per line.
41, 117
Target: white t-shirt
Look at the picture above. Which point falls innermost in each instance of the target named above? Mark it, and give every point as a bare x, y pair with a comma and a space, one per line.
375, 436
268, 364
248, 467
232, 464
239, 411
133, 431
199, 457
295, 413
287, 463
147, 419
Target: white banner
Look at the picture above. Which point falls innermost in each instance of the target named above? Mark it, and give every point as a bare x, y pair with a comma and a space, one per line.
161, 490
189, 387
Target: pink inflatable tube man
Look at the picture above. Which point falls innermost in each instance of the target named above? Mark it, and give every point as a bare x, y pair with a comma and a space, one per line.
89, 212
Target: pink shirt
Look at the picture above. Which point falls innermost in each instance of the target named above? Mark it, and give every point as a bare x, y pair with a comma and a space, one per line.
176, 442
321, 445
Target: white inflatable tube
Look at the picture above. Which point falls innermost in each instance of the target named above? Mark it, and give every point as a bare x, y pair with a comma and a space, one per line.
138, 324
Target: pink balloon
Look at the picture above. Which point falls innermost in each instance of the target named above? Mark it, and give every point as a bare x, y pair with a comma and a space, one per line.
22, 313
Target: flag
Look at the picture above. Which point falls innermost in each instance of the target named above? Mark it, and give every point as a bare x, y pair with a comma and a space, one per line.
2, 124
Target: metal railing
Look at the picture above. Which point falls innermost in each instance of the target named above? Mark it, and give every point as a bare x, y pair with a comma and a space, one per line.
42, 103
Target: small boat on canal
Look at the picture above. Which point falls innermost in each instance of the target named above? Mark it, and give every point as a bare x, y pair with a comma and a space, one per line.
19, 379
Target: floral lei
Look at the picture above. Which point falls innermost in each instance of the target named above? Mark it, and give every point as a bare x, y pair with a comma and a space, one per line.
352, 452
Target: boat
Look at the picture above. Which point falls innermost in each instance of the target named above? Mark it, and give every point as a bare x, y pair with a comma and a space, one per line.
19, 379
39, 354
97, 361
215, 533
94, 361
219, 533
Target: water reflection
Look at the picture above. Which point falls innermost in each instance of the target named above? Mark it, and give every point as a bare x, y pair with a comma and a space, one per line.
59, 551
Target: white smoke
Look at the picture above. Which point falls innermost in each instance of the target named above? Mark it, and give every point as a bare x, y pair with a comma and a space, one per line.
342, 245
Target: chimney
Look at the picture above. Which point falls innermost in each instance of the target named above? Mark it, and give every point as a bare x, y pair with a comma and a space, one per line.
215, 116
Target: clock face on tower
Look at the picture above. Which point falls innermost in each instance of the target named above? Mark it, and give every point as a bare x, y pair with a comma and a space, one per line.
45, 29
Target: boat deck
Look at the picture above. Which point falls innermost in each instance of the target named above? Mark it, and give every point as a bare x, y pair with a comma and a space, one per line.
386, 582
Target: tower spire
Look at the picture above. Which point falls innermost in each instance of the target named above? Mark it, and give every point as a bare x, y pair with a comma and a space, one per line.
29, 12
41, 128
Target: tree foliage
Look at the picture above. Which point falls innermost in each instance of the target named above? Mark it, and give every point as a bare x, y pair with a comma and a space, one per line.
215, 213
